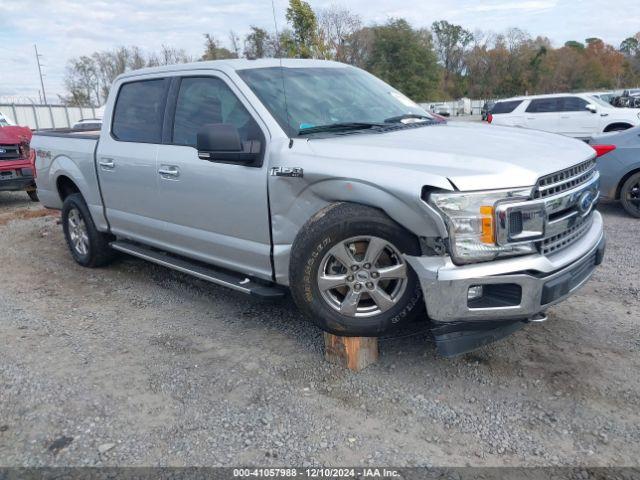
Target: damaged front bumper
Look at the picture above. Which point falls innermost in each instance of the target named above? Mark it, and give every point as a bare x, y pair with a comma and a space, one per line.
473, 305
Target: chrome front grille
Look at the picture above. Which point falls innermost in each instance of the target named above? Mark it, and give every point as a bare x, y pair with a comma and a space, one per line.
563, 180
558, 214
9, 152
564, 239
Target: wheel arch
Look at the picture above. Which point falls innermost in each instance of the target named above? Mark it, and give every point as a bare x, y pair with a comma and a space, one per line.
66, 177
625, 177
617, 126
418, 218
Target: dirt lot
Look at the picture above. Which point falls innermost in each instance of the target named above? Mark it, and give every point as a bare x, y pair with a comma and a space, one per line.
136, 365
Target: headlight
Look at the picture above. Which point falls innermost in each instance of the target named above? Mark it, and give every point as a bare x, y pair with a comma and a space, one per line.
470, 219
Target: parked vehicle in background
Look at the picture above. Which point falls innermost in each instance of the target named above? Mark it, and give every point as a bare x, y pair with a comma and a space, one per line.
347, 193
88, 124
606, 97
486, 109
626, 101
16, 159
619, 166
575, 115
441, 109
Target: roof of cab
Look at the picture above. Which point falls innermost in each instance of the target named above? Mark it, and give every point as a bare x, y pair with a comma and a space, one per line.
237, 64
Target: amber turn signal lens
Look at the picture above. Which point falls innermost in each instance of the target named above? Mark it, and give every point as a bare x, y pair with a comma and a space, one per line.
486, 217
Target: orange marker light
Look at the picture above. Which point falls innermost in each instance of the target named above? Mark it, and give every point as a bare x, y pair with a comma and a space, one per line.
486, 217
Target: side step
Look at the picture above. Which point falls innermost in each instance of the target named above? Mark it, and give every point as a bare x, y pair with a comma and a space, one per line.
237, 282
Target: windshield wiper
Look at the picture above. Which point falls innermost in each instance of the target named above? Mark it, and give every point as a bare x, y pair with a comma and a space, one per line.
407, 116
340, 127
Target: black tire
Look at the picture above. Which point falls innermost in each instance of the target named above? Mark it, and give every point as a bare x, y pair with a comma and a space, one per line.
33, 195
98, 252
630, 195
332, 226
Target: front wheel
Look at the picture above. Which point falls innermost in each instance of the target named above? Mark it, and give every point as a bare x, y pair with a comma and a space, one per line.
33, 195
630, 195
348, 272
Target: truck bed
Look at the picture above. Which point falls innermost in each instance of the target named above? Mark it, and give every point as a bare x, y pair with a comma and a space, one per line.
67, 154
69, 133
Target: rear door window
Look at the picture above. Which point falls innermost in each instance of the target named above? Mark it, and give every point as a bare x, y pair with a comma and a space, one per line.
505, 107
545, 105
139, 111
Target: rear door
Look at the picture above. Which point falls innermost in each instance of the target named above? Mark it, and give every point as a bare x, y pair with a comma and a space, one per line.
543, 114
213, 211
575, 120
126, 159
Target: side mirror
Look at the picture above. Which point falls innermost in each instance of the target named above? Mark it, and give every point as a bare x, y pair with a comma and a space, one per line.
221, 142
591, 107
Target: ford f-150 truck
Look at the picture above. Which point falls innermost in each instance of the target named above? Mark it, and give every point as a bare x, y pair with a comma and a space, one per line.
16, 159
317, 177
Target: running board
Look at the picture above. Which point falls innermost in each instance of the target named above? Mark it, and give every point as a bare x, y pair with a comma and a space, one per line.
237, 282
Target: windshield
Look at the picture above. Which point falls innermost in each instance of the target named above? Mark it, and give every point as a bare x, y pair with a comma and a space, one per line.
328, 96
598, 101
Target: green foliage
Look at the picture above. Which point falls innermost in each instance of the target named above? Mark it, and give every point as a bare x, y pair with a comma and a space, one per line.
256, 43
574, 44
304, 23
451, 43
404, 58
213, 52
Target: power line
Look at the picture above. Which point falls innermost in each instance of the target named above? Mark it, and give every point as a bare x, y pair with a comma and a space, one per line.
44, 95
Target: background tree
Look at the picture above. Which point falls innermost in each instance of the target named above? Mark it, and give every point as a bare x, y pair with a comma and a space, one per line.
451, 44
212, 50
405, 58
257, 43
336, 26
304, 26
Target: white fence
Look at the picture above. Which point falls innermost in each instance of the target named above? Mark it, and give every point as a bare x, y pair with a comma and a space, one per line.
45, 116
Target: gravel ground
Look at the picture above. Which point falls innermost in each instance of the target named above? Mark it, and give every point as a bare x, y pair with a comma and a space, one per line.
137, 365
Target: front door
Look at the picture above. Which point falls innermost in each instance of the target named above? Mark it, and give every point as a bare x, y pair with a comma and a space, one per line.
576, 120
215, 212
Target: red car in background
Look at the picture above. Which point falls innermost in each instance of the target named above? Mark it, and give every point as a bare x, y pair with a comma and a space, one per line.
16, 159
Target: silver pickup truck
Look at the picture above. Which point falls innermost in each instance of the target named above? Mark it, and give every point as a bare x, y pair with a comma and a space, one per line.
317, 177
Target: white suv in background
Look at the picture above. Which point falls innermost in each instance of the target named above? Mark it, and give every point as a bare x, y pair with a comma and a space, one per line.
576, 115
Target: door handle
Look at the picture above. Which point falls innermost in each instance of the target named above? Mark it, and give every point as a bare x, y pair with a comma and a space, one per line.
531, 118
107, 163
169, 171
564, 116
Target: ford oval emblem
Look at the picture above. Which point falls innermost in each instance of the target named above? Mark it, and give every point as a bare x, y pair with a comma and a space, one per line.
585, 201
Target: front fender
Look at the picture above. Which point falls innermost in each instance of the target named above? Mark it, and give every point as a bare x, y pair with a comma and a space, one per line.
292, 207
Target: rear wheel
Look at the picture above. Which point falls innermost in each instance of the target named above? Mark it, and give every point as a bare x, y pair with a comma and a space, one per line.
630, 195
88, 246
348, 272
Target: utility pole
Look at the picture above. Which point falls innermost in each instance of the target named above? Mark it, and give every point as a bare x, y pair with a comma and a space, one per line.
44, 95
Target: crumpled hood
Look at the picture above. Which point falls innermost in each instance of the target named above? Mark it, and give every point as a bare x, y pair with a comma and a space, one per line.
12, 135
472, 156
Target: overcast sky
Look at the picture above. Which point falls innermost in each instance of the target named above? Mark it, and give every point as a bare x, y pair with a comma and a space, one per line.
64, 29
